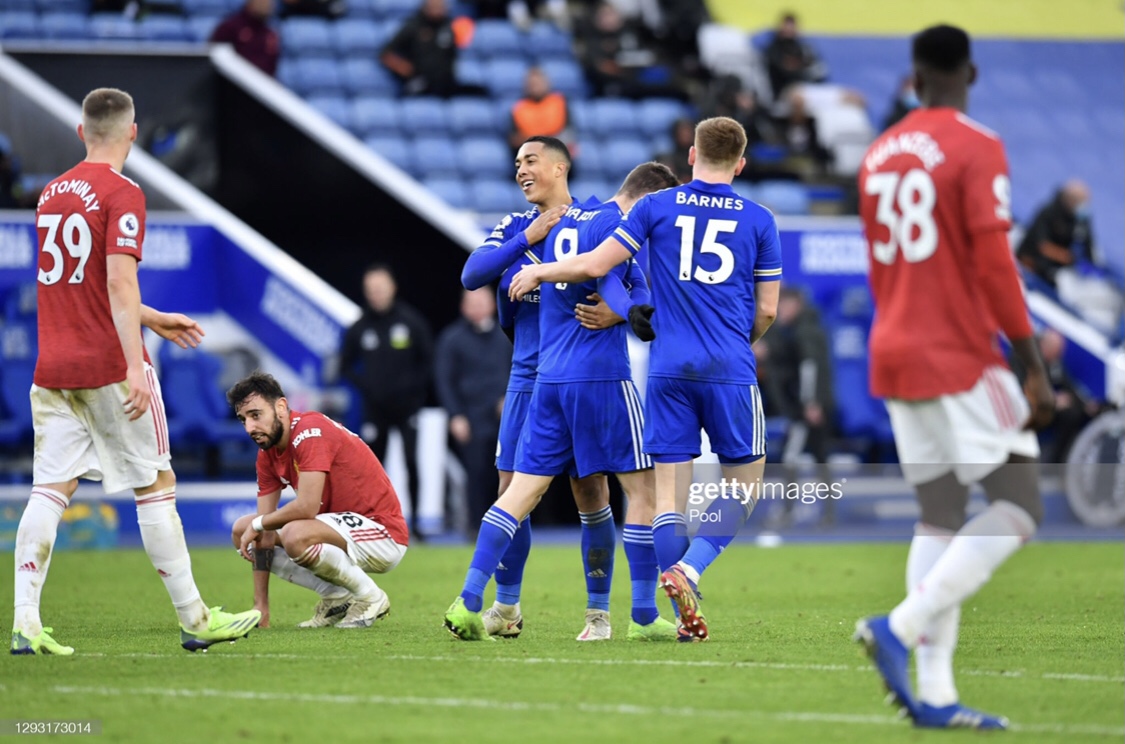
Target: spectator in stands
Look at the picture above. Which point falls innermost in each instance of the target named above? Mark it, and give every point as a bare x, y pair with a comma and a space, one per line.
905, 101
423, 53
1059, 248
791, 60
388, 356
618, 60
541, 111
683, 139
249, 31
807, 154
798, 384
523, 12
9, 174
471, 369
1074, 406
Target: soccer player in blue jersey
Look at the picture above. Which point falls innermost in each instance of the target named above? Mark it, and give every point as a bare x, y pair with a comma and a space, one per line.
585, 416
715, 264
542, 167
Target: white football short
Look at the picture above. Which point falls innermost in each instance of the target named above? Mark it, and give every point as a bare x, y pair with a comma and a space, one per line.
86, 433
969, 434
369, 543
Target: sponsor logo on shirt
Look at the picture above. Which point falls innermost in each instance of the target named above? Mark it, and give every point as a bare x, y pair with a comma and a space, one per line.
400, 336
307, 433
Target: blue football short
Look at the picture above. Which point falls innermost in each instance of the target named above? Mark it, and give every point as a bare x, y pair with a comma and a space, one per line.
676, 410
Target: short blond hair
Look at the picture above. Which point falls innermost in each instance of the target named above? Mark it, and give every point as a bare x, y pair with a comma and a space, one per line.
107, 114
720, 142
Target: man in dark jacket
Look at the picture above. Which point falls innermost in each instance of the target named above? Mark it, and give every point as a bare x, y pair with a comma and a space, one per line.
388, 356
790, 59
471, 374
423, 53
249, 31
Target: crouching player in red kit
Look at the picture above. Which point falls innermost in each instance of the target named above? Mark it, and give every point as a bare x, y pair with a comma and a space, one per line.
345, 523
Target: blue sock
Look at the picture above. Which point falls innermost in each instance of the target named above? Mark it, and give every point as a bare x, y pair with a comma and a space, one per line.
509, 574
669, 537
599, 543
724, 518
643, 571
496, 530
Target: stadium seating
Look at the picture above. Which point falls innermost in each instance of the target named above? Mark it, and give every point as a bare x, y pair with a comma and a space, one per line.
307, 37
469, 116
450, 190
363, 77
435, 156
194, 401
495, 195
336, 108
485, 156
423, 116
63, 25
375, 116
19, 24
393, 148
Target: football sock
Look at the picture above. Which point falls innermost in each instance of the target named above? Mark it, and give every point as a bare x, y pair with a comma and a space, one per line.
934, 655
721, 522
599, 544
35, 542
497, 529
284, 568
335, 566
643, 571
977, 550
509, 574
669, 538
162, 533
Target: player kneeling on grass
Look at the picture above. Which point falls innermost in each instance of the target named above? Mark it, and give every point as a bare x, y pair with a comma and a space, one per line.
346, 521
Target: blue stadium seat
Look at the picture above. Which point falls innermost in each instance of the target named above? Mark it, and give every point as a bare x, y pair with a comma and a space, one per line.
335, 108
206, 7
492, 196
420, 116
582, 117
566, 77
165, 28
63, 25
306, 36
375, 117
114, 26
194, 402
470, 71
619, 156
201, 27
396, 9
368, 77
19, 348
504, 76
473, 116
395, 149
364, 9
657, 115
358, 36
783, 197
485, 156
582, 188
745, 189
19, 24
435, 156
545, 41
615, 117
20, 5
589, 161
496, 38
316, 76
452, 191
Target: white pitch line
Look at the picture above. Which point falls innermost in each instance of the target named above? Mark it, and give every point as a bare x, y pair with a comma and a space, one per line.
549, 707
780, 666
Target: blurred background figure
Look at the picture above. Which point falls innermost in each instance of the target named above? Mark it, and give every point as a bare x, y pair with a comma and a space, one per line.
683, 137
388, 356
423, 54
905, 100
471, 369
248, 30
1059, 248
790, 59
541, 111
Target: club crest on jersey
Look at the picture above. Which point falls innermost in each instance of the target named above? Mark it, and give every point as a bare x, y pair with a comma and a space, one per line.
129, 225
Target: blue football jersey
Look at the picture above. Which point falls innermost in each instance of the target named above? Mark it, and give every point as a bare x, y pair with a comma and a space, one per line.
567, 351
708, 246
483, 267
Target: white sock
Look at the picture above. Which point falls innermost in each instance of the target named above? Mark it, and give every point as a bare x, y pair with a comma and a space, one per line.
336, 567
162, 533
283, 567
507, 610
35, 543
977, 550
934, 655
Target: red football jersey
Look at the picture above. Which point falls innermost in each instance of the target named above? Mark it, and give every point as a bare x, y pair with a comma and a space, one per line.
355, 480
84, 215
926, 186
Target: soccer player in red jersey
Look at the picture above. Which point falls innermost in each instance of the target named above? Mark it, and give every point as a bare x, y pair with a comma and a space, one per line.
95, 400
934, 199
346, 521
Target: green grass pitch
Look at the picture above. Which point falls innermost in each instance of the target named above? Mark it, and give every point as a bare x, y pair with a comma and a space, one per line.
1043, 644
